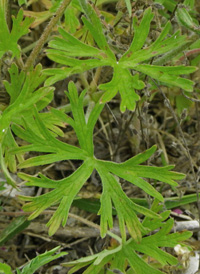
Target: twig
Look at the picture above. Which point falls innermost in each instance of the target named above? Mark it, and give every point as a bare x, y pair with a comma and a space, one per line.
189, 98
191, 225
76, 217
188, 53
184, 142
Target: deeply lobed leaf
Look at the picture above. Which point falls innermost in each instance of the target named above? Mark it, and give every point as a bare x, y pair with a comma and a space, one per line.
126, 253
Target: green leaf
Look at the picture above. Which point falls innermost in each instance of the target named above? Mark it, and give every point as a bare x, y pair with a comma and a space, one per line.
64, 194
174, 70
20, 27
44, 142
126, 84
168, 75
174, 202
10, 159
78, 113
125, 208
77, 65
58, 74
127, 254
3, 167
27, 93
133, 172
173, 53
186, 20
50, 158
136, 262
140, 158
15, 227
95, 27
94, 115
17, 81
162, 174
141, 31
5, 269
189, 3
41, 260
129, 7
122, 80
93, 205
72, 46
71, 20
162, 45
171, 240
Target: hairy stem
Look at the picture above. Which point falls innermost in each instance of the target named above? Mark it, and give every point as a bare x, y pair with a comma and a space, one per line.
31, 59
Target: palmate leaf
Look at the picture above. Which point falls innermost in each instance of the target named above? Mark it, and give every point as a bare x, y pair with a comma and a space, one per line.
66, 49
127, 253
43, 140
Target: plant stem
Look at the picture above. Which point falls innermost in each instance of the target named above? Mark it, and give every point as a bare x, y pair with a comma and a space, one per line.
31, 59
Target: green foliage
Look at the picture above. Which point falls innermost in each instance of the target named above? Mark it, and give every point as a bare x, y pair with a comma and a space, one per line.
186, 20
40, 260
93, 205
15, 227
35, 263
5, 269
9, 39
66, 189
40, 128
66, 48
118, 257
24, 93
